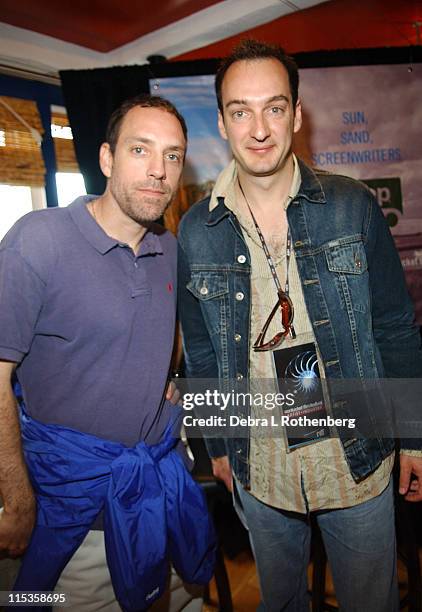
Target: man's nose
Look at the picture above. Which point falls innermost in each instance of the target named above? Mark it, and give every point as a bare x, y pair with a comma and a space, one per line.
260, 129
156, 167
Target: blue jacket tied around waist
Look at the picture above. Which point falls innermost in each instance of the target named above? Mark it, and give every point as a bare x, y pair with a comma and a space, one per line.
154, 512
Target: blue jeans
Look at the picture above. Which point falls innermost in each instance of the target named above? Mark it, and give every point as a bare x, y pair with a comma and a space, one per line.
361, 549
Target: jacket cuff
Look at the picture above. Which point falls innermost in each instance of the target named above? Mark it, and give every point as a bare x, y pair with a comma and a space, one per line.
216, 447
411, 446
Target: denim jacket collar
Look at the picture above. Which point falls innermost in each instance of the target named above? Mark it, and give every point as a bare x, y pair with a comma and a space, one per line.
217, 208
218, 212
310, 187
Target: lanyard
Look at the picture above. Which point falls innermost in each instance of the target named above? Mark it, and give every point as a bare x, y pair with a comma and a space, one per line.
270, 259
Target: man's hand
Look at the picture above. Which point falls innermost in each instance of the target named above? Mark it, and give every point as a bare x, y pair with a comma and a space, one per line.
222, 470
18, 516
411, 489
172, 393
16, 527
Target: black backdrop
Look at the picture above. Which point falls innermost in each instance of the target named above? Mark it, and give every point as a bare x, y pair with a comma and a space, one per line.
92, 95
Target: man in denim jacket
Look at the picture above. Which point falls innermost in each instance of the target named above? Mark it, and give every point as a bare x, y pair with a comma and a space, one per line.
334, 257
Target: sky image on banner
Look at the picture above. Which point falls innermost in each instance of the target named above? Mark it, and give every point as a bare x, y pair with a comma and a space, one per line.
360, 121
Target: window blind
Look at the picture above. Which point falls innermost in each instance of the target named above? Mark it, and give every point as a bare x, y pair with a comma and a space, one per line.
21, 161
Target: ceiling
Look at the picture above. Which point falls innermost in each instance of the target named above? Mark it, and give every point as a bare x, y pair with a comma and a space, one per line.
50, 35
339, 24
46, 36
100, 25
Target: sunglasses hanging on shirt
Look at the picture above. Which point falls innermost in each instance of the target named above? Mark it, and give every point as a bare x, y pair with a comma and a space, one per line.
284, 303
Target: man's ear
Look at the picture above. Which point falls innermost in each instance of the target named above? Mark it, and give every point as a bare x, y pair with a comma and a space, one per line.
297, 122
221, 126
106, 159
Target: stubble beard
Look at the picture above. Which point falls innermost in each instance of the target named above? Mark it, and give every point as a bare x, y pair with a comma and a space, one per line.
139, 207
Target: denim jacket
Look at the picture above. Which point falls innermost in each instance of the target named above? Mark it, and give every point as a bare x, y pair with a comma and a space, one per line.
353, 286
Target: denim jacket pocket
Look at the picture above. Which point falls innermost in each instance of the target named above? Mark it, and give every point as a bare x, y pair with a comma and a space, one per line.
347, 258
208, 284
211, 288
347, 261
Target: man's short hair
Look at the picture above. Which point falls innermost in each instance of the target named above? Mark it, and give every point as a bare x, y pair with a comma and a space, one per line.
143, 101
250, 50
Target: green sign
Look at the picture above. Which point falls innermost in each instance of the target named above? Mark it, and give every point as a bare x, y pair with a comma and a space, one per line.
389, 196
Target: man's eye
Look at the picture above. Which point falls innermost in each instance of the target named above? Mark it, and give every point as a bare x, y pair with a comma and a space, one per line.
174, 157
138, 150
276, 110
240, 114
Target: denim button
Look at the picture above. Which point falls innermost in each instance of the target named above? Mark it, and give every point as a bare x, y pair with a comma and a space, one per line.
239, 376
241, 259
203, 290
237, 337
239, 296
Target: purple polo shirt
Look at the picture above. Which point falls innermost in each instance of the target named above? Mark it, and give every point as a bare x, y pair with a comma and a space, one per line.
90, 324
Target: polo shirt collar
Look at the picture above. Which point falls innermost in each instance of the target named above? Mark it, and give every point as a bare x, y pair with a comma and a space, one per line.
151, 244
97, 237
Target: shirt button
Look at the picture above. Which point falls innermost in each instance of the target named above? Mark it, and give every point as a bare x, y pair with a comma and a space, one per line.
237, 337
239, 376
239, 296
203, 290
241, 259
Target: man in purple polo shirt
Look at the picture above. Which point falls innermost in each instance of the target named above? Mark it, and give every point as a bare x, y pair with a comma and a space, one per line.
87, 316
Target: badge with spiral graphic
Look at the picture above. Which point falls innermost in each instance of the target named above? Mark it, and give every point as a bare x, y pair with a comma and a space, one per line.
298, 373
